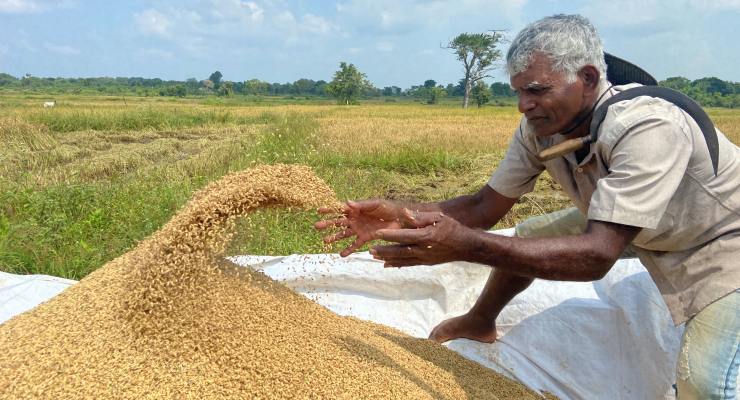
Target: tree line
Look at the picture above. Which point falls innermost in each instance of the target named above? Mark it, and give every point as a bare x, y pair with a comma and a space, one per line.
478, 53
709, 92
215, 85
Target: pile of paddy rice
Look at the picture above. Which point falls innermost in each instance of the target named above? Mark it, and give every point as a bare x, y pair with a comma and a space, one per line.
173, 319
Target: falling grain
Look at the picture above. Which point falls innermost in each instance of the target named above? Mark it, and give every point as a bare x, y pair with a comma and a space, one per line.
173, 319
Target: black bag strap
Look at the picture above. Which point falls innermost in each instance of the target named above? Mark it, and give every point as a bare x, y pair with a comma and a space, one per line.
679, 99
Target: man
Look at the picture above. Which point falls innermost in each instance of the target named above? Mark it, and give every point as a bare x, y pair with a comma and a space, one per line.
646, 183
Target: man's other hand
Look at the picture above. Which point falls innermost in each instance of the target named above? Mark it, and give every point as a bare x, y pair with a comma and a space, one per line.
434, 239
361, 220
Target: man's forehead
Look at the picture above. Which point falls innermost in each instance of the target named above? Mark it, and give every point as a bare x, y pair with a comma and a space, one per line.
534, 84
531, 84
538, 73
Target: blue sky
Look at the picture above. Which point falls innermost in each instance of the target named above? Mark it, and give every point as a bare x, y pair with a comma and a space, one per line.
395, 42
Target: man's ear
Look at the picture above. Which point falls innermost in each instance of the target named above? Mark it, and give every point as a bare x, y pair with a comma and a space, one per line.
590, 77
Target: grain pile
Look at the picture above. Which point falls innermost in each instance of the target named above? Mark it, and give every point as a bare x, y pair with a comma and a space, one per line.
173, 319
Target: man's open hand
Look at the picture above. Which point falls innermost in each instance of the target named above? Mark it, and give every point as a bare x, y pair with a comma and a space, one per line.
362, 219
435, 239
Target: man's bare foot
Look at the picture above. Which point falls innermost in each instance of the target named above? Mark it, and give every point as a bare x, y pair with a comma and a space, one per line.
468, 326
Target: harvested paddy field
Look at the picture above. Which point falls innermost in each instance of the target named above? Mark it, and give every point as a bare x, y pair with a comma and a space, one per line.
172, 319
82, 183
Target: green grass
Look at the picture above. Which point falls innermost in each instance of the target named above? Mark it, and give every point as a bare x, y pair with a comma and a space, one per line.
69, 230
136, 119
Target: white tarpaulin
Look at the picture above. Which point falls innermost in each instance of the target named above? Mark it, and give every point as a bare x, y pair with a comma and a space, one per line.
609, 339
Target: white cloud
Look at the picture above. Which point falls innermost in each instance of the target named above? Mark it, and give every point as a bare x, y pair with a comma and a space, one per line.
385, 46
237, 10
212, 27
256, 13
62, 49
158, 53
638, 12
315, 24
33, 6
19, 6
719, 5
284, 19
153, 22
401, 17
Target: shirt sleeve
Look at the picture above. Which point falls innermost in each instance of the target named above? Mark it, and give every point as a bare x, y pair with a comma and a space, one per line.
517, 173
646, 166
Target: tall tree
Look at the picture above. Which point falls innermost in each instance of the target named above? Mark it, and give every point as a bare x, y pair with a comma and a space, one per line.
500, 89
481, 93
435, 93
478, 53
226, 89
216, 78
348, 84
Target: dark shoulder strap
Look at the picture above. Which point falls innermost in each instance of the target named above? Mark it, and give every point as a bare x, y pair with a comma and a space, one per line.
673, 96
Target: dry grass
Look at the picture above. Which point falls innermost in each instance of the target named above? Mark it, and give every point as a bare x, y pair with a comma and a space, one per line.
383, 128
728, 121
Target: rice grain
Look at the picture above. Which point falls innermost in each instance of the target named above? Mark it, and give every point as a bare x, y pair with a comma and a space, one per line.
173, 319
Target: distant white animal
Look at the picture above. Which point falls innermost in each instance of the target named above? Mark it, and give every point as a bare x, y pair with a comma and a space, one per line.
50, 104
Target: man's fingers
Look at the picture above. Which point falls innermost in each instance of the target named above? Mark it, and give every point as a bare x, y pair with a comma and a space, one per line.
420, 219
400, 263
326, 223
351, 248
339, 236
328, 210
394, 252
405, 236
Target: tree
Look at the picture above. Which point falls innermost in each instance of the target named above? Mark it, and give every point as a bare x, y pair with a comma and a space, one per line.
216, 79
500, 89
435, 93
7, 79
677, 83
348, 84
303, 86
481, 93
713, 85
256, 86
478, 52
226, 89
430, 83
207, 84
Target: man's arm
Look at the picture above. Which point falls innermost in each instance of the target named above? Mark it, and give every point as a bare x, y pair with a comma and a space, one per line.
584, 257
480, 210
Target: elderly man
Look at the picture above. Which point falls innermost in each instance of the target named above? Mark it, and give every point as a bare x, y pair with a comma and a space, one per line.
645, 184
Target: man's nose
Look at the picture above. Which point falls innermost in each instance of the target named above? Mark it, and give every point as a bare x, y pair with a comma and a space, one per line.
526, 103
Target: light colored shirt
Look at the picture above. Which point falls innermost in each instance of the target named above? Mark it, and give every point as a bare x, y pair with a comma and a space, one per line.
650, 168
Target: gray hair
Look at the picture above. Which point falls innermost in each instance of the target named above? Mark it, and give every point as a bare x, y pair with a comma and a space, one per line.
569, 41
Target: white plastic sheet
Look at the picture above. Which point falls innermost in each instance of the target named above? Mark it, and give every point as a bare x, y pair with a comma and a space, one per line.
609, 339
20, 293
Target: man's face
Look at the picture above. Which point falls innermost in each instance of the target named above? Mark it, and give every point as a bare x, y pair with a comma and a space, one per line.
549, 103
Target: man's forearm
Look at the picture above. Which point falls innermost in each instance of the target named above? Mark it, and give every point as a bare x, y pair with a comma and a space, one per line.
460, 208
479, 210
568, 258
